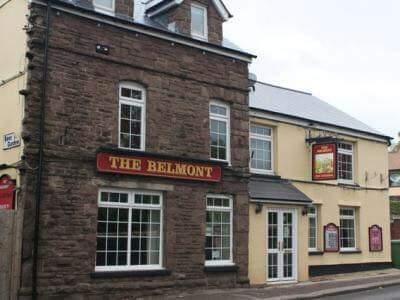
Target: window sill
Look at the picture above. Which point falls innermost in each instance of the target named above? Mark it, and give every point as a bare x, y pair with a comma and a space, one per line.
135, 273
221, 268
348, 184
355, 251
315, 252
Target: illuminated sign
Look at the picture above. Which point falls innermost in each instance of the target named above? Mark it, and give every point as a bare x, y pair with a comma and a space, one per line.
148, 166
324, 162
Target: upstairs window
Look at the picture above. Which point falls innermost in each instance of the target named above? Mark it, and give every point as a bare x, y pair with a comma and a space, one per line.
199, 22
345, 162
132, 98
260, 149
106, 6
219, 132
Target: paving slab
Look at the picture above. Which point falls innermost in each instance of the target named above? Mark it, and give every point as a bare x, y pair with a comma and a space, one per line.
316, 288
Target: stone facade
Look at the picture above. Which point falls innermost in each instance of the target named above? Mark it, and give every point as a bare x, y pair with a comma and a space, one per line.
81, 115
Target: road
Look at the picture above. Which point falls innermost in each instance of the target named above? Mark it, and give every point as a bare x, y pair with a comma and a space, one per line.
388, 293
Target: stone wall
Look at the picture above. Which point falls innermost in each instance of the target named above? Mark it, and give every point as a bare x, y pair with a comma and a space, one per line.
81, 115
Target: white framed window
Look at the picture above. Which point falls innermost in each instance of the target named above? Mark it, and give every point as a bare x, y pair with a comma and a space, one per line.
199, 21
219, 216
129, 230
261, 157
220, 131
312, 228
347, 228
132, 112
105, 6
345, 162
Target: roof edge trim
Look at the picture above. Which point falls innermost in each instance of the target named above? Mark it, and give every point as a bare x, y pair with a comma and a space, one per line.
147, 30
350, 131
222, 10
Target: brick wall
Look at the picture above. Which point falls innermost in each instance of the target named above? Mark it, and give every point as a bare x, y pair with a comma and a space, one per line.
81, 114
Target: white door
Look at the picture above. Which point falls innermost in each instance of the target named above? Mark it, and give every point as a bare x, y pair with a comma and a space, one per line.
281, 245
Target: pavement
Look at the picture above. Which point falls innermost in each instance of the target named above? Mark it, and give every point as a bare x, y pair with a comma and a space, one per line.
316, 288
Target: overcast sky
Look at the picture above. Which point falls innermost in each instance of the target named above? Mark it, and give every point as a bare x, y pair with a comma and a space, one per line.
346, 52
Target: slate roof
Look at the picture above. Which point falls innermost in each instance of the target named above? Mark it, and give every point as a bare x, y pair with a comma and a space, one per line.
275, 190
304, 106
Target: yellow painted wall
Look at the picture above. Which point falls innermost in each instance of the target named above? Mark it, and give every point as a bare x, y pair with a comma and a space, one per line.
371, 158
293, 161
12, 62
12, 37
372, 207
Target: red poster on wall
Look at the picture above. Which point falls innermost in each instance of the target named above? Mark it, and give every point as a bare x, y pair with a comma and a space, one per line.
375, 238
7, 188
324, 162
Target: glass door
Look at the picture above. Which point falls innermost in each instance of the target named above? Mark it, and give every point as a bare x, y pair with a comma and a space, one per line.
281, 245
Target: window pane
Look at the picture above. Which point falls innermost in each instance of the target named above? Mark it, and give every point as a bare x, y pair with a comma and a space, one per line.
218, 230
113, 234
104, 3
198, 25
130, 126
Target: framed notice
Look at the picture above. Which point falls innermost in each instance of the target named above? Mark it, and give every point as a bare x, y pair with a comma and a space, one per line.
331, 238
375, 238
324, 161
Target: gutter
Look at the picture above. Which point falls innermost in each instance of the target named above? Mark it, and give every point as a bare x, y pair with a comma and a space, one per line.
255, 110
38, 190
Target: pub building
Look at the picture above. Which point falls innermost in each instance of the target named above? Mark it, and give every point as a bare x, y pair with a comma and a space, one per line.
318, 191
136, 150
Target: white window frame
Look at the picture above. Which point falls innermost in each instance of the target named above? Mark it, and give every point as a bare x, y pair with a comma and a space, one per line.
226, 119
315, 216
264, 138
131, 205
354, 218
205, 22
104, 9
346, 152
133, 102
222, 209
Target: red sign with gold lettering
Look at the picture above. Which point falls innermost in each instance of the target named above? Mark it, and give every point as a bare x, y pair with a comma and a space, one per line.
148, 166
324, 162
7, 187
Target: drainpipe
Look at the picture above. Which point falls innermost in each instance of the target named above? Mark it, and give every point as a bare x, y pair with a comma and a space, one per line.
39, 175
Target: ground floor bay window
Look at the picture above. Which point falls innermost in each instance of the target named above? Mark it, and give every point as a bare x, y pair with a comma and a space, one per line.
129, 231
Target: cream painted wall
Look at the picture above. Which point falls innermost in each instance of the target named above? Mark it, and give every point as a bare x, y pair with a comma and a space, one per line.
292, 155
372, 208
12, 62
12, 37
292, 160
258, 236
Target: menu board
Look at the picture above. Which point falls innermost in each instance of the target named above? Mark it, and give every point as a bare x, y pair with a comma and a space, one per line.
375, 238
331, 238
